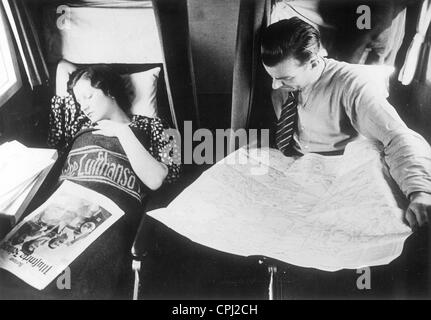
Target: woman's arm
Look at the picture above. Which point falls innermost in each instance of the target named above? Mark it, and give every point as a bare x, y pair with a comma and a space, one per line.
65, 117
150, 171
64, 69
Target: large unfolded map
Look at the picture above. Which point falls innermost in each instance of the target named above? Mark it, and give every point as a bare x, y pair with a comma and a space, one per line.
326, 212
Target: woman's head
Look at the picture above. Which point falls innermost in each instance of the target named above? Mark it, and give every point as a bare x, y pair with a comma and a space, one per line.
99, 90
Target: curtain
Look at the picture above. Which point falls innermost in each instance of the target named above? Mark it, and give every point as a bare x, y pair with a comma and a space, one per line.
253, 14
25, 34
411, 63
173, 26
421, 86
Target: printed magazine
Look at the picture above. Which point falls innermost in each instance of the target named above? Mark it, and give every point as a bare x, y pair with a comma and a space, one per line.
41, 246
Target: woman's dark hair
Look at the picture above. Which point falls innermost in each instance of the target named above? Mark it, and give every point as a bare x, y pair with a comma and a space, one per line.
289, 38
103, 77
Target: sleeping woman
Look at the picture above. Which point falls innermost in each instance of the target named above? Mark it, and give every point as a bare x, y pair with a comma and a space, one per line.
115, 153
119, 155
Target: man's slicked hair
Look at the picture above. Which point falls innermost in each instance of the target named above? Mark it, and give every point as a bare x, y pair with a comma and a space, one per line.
289, 38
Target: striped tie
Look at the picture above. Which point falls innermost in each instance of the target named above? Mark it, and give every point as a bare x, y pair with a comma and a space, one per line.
286, 124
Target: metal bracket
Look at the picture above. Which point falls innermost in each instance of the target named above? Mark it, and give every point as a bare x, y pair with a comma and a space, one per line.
136, 267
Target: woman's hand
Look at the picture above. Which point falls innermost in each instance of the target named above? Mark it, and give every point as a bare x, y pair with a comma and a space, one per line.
150, 171
111, 128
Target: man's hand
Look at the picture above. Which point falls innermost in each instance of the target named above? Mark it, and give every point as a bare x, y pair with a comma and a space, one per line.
419, 210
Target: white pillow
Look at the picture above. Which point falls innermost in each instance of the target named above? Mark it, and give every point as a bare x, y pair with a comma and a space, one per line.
143, 93
142, 88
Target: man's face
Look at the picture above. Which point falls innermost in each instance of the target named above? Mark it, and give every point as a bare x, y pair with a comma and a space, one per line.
290, 74
58, 241
87, 227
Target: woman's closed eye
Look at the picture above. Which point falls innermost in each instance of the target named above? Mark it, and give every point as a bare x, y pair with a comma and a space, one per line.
85, 98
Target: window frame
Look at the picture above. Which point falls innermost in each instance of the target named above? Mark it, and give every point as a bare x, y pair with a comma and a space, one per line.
14, 84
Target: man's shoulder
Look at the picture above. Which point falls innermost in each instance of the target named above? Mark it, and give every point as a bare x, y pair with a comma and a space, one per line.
341, 69
349, 70
360, 75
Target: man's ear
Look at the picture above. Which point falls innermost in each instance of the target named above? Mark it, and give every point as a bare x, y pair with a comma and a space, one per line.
314, 62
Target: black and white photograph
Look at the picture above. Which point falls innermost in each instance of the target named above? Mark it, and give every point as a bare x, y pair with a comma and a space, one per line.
215, 153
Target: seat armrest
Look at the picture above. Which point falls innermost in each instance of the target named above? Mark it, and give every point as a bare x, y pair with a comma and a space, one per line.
142, 242
156, 239
150, 231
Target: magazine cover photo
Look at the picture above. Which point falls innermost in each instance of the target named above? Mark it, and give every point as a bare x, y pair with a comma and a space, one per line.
40, 247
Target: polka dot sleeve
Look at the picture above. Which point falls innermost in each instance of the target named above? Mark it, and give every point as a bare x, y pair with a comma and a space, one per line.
65, 120
163, 144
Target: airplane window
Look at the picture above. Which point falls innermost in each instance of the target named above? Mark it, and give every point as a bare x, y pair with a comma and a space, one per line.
10, 80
